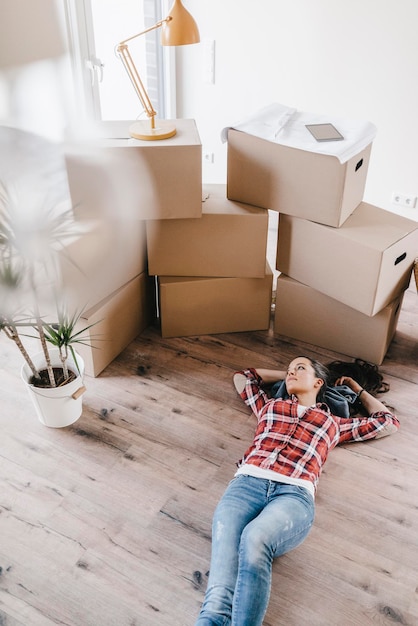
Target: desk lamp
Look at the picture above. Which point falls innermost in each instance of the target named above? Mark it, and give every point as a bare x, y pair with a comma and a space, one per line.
178, 28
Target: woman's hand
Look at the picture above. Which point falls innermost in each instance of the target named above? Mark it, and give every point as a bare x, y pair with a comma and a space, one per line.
370, 403
350, 382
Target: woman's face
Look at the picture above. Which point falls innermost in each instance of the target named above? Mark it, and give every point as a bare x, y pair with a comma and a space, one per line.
301, 377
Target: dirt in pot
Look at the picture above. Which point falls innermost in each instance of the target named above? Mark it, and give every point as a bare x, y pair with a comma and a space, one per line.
43, 380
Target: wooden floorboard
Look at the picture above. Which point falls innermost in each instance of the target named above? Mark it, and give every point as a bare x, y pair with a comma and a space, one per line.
108, 522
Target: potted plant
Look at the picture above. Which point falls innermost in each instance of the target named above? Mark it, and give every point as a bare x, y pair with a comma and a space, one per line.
33, 302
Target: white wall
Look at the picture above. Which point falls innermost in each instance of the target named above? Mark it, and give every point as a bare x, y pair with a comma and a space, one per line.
353, 58
35, 85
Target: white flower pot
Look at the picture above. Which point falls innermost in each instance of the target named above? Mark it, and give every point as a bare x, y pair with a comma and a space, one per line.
56, 406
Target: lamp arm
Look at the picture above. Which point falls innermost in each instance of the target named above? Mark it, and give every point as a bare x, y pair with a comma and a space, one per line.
147, 30
125, 56
137, 83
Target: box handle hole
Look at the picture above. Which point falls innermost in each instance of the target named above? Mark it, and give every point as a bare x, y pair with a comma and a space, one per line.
400, 258
359, 164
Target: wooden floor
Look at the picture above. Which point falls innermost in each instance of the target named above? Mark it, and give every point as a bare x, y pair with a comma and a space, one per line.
108, 522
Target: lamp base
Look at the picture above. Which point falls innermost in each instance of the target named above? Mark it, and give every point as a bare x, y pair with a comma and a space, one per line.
143, 130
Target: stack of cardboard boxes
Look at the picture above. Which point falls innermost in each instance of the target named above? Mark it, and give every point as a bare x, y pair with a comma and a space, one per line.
116, 184
212, 271
148, 216
104, 272
344, 264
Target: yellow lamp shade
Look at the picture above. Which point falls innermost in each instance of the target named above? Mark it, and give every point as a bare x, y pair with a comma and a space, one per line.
180, 28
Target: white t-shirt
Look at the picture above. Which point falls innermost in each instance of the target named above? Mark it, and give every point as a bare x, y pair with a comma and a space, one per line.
258, 472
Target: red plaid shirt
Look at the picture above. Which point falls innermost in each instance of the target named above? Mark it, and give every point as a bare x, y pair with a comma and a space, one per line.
298, 447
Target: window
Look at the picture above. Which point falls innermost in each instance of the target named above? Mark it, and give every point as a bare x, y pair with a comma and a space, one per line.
96, 27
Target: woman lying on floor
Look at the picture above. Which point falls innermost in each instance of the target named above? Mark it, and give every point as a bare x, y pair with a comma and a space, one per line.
268, 508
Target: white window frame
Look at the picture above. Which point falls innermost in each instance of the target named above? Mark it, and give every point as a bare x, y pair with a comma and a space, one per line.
87, 66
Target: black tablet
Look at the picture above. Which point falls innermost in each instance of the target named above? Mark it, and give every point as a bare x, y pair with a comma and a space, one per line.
324, 132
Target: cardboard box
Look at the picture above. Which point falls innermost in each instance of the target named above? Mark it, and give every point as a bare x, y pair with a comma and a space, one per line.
203, 306
117, 175
307, 315
105, 257
230, 239
305, 184
365, 264
118, 320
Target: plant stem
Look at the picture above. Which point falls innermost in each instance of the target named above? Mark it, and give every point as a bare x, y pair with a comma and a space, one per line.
64, 356
44, 345
11, 333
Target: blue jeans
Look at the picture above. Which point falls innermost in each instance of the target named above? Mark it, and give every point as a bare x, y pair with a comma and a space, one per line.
255, 521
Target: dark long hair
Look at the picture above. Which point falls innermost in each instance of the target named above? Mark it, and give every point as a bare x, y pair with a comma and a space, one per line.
366, 374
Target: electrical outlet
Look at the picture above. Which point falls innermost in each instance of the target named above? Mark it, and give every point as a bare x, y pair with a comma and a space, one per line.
209, 157
401, 199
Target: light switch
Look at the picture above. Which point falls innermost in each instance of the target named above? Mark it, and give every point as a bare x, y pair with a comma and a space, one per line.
208, 60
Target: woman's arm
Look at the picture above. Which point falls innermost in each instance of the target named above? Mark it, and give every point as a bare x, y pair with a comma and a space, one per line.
248, 383
267, 376
370, 403
271, 376
380, 423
